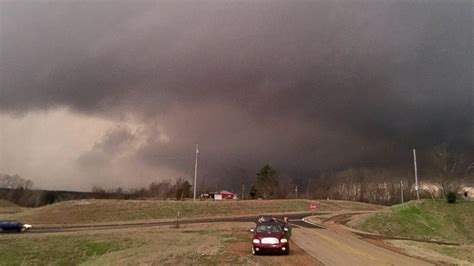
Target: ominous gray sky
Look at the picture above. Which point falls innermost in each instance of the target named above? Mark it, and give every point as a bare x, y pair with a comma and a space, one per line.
118, 92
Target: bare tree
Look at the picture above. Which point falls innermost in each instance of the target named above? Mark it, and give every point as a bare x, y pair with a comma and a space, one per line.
160, 190
285, 187
448, 168
182, 189
14, 182
18, 187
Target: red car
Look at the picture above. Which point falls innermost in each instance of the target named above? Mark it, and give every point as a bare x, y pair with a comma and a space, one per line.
270, 237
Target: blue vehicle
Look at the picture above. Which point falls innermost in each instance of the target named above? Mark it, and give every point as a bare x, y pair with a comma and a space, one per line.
13, 227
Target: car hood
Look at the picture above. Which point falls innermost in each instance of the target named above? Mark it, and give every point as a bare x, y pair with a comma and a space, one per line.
265, 234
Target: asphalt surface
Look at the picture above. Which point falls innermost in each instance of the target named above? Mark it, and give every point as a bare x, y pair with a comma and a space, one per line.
345, 248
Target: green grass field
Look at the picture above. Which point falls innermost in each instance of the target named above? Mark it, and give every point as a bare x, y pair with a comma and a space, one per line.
422, 220
102, 211
56, 249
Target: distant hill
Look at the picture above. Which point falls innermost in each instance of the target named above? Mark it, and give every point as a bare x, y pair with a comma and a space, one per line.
8, 207
39, 197
7, 204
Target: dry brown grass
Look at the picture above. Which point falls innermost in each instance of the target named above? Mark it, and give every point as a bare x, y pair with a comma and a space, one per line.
102, 211
8, 207
342, 205
7, 204
443, 254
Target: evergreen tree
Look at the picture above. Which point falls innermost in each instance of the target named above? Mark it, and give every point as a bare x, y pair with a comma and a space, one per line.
266, 182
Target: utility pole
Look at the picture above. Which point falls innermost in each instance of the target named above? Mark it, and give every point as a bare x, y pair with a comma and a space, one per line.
401, 189
195, 171
243, 191
296, 192
416, 175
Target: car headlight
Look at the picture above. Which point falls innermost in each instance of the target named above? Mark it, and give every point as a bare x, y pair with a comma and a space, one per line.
256, 241
284, 240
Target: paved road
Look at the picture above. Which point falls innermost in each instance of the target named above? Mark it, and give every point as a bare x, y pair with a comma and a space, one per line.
74, 228
335, 248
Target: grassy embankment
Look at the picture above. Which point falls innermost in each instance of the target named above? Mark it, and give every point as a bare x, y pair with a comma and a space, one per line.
103, 211
7, 207
426, 220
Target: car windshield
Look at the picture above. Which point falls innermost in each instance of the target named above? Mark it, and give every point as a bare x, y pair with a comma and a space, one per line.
266, 219
268, 228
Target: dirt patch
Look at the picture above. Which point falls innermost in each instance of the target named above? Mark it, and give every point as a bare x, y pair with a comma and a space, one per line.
237, 240
241, 248
297, 256
340, 219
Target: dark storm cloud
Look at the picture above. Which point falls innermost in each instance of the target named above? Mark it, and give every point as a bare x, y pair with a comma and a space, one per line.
303, 85
113, 144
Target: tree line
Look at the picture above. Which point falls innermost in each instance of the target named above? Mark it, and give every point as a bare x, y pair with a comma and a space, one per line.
19, 190
178, 190
446, 173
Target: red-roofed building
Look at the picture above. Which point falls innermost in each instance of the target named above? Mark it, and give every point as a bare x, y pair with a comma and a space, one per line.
221, 195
